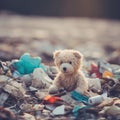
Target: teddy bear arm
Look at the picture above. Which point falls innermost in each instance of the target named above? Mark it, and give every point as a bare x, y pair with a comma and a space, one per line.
55, 86
82, 85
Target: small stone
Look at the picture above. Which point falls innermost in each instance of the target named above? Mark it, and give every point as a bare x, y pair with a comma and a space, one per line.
102, 118
26, 116
3, 97
41, 94
46, 112
38, 107
32, 89
26, 107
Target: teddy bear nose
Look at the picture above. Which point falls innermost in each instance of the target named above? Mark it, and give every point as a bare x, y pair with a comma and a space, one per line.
64, 68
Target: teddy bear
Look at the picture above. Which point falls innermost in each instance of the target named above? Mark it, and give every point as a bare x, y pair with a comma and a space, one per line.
69, 76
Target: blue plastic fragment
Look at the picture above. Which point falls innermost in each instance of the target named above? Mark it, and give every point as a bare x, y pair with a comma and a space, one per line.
76, 109
16, 74
26, 64
79, 97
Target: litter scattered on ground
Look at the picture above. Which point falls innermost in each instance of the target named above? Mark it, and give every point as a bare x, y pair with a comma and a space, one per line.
59, 110
97, 99
41, 79
26, 64
24, 93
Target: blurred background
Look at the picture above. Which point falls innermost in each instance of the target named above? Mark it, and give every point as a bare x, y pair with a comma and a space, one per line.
63, 8
42, 26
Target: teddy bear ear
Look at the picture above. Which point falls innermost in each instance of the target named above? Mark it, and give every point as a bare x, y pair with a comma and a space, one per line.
56, 53
78, 54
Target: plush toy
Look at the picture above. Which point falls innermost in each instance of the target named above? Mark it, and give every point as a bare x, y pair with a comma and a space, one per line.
69, 75
26, 64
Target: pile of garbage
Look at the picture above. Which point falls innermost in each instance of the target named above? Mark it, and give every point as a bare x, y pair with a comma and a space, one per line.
24, 93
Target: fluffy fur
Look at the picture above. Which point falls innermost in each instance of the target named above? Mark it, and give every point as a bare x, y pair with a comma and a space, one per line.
69, 76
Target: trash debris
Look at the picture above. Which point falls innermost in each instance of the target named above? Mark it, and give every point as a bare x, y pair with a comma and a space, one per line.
41, 94
26, 116
68, 99
3, 68
38, 107
76, 110
94, 84
94, 70
26, 107
97, 99
14, 88
77, 96
4, 80
51, 71
50, 107
26, 79
6, 114
41, 79
32, 89
16, 74
107, 74
107, 102
111, 110
24, 91
46, 112
52, 99
26, 64
104, 66
60, 110
3, 97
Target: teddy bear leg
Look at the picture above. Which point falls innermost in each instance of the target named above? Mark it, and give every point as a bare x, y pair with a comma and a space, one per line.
79, 90
82, 91
53, 89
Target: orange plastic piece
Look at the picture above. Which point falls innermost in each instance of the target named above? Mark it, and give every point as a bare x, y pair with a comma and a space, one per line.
107, 74
52, 99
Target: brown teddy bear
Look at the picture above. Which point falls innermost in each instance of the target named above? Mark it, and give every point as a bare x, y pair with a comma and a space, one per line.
69, 75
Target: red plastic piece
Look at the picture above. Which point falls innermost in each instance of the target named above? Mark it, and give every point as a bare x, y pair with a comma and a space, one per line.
95, 70
52, 99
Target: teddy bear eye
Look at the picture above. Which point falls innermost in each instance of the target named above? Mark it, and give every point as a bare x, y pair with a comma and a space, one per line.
70, 62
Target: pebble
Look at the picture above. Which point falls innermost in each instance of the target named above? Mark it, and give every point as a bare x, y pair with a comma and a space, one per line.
27, 116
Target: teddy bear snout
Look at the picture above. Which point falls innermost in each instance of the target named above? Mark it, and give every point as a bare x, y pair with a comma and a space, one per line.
66, 68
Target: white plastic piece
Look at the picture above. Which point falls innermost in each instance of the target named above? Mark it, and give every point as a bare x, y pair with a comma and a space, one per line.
59, 110
97, 99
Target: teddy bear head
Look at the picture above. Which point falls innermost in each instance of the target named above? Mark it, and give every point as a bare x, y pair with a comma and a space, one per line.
68, 61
